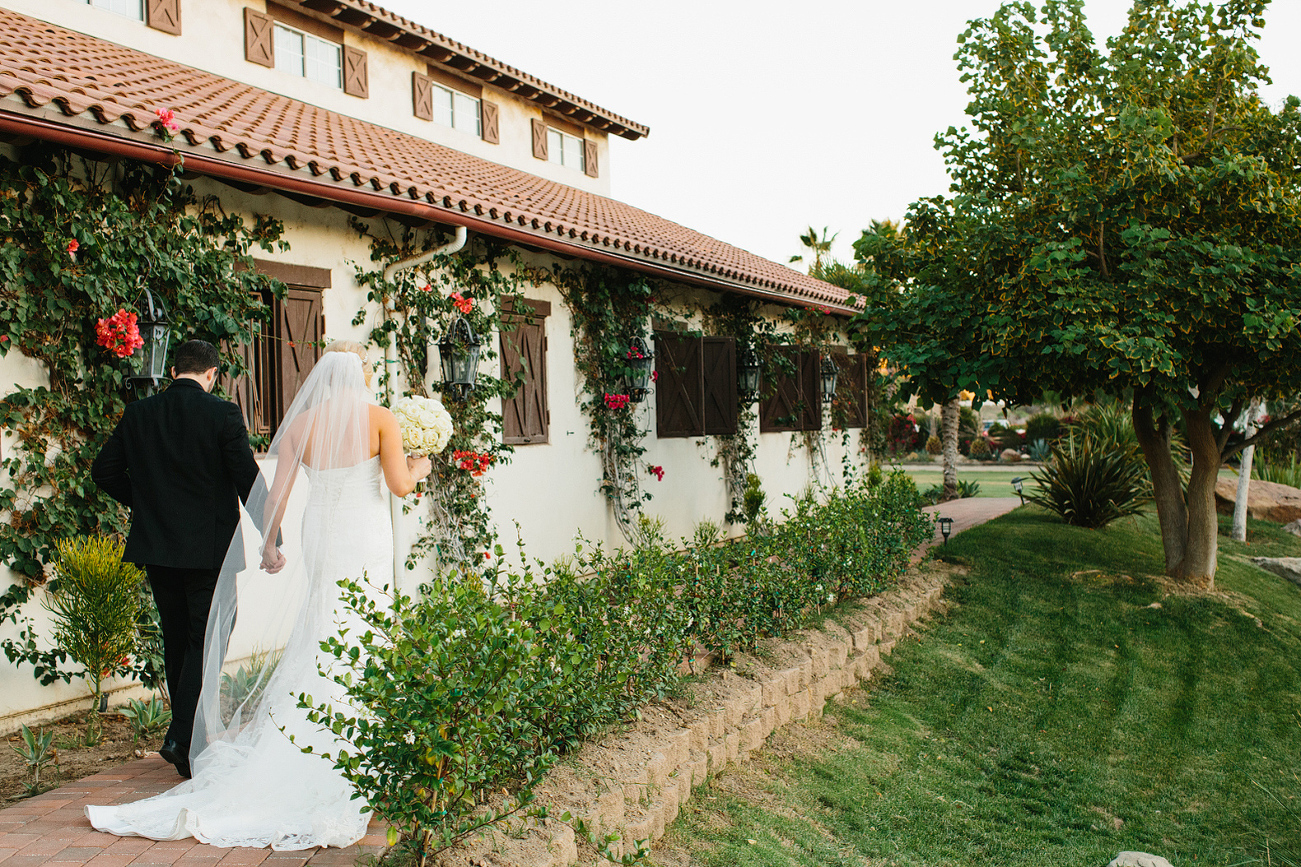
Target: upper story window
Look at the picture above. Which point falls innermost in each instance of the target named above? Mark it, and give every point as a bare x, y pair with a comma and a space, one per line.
457, 110
310, 56
130, 8
565, 149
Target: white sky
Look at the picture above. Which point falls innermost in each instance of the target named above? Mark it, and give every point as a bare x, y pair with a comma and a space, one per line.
769, 116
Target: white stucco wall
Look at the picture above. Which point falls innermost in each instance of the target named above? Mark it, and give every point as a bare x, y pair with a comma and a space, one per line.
212, 39
551, 489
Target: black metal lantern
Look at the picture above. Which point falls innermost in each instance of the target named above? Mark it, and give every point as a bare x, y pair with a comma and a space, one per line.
640, 363
946, 527
149, 361
1018, 484
458, 353
749, 374
830, 373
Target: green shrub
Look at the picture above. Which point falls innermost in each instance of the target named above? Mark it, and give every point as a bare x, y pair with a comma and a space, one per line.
1089, 486
979, 448
1268, 468
1044, 426
96, 603
146, 717
1039, 450
36, 750
934, 446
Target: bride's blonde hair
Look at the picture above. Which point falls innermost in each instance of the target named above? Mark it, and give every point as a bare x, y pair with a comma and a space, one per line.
356, 349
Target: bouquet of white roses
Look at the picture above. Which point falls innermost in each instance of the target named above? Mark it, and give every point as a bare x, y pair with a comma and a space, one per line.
426, 425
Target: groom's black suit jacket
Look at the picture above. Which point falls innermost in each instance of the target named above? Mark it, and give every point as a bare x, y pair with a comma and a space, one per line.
181, 461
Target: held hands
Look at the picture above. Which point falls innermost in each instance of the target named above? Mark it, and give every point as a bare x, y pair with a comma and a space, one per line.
419, 467
272, 560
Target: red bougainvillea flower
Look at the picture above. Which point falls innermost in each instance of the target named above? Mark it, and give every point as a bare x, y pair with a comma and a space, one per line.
634, 352
119, 334
460, 302
826, 310
73, 246
655, 376
657, 472
426, 288
616, 401
472, 462
167, 120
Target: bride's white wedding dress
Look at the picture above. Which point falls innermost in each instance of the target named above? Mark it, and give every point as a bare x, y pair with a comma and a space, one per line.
252, 786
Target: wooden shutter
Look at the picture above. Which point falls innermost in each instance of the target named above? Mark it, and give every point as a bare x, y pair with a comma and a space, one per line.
301, 328
491, 127
259, 41
679, 386
539, 139
810, 391
422, 96
164, 15
851, 388
718, 356
355, 80
247, 390
526, 418
779, 409
589, 158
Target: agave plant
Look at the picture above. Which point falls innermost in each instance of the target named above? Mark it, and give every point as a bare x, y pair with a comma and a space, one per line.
146, 717
36, 749
1039, 451
1090, 486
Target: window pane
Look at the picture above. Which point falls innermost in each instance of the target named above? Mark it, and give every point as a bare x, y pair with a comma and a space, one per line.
130, 8
555, 146
323, 61
442, 105
465, 113
289, 50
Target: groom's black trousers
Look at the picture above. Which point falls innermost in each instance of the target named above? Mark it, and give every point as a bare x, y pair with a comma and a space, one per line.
183, 597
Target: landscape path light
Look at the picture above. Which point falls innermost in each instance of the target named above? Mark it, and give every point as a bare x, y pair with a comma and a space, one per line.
946, 527
1018, 484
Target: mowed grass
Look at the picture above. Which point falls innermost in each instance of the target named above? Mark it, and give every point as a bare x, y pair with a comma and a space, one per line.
993, 483
1066, 709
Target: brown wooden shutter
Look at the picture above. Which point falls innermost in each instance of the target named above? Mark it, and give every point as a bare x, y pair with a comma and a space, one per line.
164, 15
720, 399
301, 328
259, 41
679, 387
589, 158
247, 391
851, 389
810, 391
779, 409
491, 127
539, 139
526, 417
355, 80
422, 96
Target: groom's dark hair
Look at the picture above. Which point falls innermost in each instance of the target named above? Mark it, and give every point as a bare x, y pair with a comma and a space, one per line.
196, 356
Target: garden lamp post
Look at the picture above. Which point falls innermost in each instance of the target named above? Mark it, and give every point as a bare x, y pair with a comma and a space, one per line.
151, 358
830, 373
946, 527
640, 361
1018, 484
458, 355
748, 374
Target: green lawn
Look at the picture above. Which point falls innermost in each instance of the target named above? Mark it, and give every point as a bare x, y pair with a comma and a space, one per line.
993, 483
1056, 716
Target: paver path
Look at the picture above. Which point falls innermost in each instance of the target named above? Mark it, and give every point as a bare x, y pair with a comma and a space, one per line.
52, 829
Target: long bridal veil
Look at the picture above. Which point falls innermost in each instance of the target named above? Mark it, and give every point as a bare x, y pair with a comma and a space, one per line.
253, 785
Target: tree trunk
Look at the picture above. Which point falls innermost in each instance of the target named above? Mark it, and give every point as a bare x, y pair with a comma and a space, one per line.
1244, 473
949, 422
1198, 565
1167, 489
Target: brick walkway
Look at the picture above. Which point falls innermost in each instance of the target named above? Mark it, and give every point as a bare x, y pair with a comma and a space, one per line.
51, 829
966, 514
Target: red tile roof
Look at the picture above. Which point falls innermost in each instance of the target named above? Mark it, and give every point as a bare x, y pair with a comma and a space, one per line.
298, 147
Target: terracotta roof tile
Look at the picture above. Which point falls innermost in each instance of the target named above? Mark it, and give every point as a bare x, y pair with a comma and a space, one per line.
43, 64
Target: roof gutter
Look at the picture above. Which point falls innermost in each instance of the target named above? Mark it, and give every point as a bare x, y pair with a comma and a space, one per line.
220, 168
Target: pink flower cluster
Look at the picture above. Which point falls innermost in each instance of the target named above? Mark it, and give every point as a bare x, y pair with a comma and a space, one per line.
166, 123
616, 401
73, 246
460, 302
119, 334
657, 472
634, 352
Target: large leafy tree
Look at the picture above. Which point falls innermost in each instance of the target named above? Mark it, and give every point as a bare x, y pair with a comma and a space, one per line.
1125, 221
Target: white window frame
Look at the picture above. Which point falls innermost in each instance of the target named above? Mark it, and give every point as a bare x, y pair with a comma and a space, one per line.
304, 64
458, 110
134, 9
565, 149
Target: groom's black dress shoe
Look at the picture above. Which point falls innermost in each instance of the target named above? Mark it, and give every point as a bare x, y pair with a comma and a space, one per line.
171, 752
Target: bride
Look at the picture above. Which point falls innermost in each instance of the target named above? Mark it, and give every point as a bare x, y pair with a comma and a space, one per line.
253, 784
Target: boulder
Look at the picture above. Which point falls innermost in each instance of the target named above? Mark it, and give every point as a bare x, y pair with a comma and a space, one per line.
1294, 528
1010, 456
1266, 501
1286, 567
1139, 859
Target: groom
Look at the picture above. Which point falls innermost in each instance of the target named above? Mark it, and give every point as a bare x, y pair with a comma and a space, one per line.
180, 460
